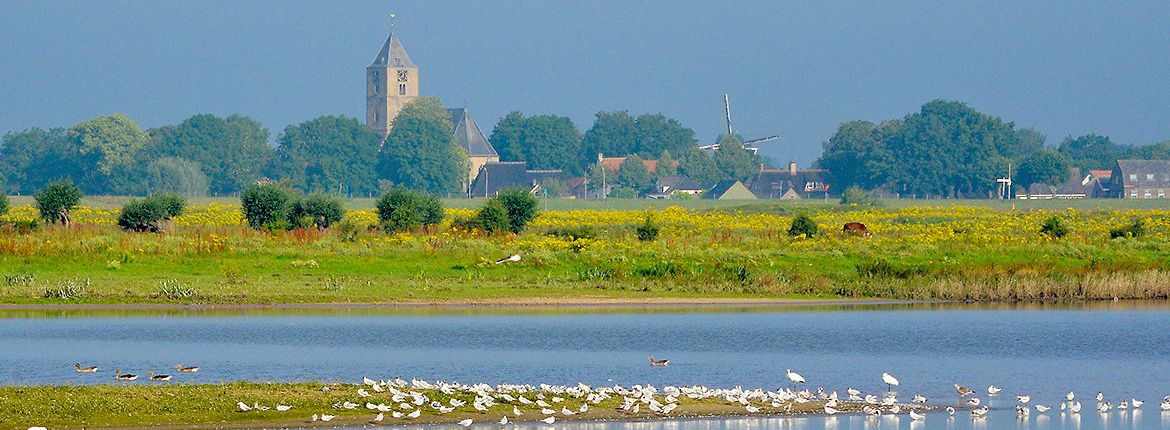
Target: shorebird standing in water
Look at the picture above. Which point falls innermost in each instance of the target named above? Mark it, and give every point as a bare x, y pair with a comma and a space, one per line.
654, 362
890, 381
794, 377
963, 391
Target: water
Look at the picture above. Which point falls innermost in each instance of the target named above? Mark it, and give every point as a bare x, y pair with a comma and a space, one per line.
1122, 350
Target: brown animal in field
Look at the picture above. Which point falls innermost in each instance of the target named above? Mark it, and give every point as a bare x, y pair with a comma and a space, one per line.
856, 228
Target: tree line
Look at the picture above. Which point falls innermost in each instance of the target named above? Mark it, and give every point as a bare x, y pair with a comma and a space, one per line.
948, 149
211, 155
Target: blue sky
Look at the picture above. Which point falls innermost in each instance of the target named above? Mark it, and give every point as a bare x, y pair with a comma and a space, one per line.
799, 68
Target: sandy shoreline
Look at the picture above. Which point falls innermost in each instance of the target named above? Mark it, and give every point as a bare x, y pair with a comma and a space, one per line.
502, 303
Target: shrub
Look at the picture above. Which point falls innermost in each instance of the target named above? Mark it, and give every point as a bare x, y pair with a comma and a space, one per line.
647, 230
1054, 227
856, 196
265, 205
147, 214
574, 232
317, 210
520, 205
623, 193
803, 225
56, 200
1134, 229
492, 217
404, 209
3, 203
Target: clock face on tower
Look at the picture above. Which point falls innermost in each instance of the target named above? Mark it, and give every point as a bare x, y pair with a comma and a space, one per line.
402, 75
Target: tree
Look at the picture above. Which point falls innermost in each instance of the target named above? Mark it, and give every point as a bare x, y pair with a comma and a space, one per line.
734, 161
850, 155
4, 203
657, 134
1045, 166
404, 209
634, 175
1157, 151
666, 166
803, 225
613, 133
543, 141
148, 214
696, 164
1090, 151
421, 152
32, 158
232, 152
317, 210
492, 217
57, 200
1030, 141
947, 149
266, 205
109, 141
520, 206
329, 153
175, 175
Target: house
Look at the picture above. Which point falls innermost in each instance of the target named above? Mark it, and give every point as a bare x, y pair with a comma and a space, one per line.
1097, 181
614, 164
1073, 187
668, 186
495, 176
790, 183
1140, 179
730, 189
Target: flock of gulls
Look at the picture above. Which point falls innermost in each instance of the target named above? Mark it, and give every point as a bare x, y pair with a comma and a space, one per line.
409, 400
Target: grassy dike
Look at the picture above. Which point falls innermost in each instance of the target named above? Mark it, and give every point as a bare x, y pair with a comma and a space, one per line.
172, 405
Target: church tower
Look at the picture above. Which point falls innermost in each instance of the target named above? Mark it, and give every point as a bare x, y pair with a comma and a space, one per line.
391, 83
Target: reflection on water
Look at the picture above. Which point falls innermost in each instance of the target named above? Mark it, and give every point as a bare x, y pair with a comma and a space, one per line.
935, 421
1121, 348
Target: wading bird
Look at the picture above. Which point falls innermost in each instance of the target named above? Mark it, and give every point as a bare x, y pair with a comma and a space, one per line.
794, 377
890, 380
993, 390
654, 362
465, 423
549, 420
963, 391
90, 369
914, 416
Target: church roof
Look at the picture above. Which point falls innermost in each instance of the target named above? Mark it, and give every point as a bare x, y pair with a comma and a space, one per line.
393, 54
468, 135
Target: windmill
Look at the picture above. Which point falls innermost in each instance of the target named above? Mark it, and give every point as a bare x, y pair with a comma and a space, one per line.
750, 143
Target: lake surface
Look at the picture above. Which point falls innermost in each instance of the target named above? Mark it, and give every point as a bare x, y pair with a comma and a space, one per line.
1122, 350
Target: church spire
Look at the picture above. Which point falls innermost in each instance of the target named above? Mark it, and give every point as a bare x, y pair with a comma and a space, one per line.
392, 53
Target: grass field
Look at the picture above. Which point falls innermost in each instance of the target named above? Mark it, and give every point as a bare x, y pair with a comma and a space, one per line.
173, 405
587, 255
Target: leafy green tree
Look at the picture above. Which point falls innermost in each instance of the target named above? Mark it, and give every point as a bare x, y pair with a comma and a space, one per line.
657, 134
32, 158
148, 214
175, 175
850, 155
4, 205
1045, 166
613, 133
266, 205
666, 166
1157, 151
317, 210
492, 217
734, 161
329, 153
1030, 141
404, 209
543, 141
948, 149
421, 152
232, 152
698, 165
634, 175
57, 200
109, 141
520, 205
1090, 151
